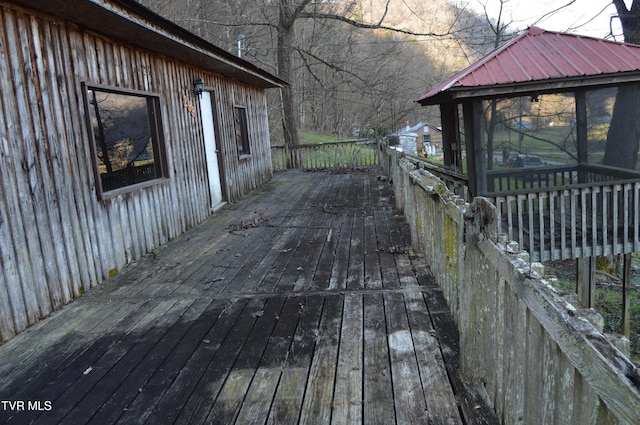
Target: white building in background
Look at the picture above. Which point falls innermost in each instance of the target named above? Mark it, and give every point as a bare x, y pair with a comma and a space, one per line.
422, 139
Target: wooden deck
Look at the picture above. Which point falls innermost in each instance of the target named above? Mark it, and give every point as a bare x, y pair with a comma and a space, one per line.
300, 303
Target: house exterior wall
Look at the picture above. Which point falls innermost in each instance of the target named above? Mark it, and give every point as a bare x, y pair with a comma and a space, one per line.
435, 136
57, 239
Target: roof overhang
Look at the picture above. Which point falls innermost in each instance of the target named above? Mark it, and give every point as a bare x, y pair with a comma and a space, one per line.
134, 24
459, 94
537, 62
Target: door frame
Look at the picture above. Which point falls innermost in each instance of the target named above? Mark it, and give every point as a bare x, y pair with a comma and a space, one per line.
219, 148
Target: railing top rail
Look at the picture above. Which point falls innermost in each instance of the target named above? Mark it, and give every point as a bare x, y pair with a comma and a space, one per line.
550, 169
611, 171
547, 169
315, 145
428, 165
550, 189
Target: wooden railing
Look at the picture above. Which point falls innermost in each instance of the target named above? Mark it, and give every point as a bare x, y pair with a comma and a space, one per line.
568, 212
354, 153
583, 221
456, 181
538, 357
555, 176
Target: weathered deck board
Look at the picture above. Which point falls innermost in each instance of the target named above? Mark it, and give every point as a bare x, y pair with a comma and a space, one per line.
347, 401
378, 388
300, 303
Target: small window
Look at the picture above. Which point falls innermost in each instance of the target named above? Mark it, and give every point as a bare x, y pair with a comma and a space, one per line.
242, 134
426, 138
126, 135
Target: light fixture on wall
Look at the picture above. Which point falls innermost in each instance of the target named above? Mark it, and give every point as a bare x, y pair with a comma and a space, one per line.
198, 86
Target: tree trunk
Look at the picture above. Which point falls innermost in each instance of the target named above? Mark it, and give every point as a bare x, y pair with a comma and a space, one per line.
623, 138
285, 52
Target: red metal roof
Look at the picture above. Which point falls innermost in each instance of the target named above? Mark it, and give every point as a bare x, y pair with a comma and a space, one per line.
537, 56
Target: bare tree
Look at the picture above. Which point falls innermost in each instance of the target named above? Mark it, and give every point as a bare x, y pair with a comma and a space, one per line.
341, 55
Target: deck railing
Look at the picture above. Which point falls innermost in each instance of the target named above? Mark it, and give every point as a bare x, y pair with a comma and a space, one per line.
568, 212
555, 176
353, 153
536, 355
586, 220
559, 212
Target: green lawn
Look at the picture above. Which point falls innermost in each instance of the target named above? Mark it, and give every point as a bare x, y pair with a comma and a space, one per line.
608, 302
314, 138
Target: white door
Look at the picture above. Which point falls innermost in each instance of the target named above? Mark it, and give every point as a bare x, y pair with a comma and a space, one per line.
211, 152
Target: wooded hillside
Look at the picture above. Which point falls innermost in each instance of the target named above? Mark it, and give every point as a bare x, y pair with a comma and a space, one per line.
356, 66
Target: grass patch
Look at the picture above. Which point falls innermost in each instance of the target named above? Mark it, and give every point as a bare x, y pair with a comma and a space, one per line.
314, 138
609, 305
608, 301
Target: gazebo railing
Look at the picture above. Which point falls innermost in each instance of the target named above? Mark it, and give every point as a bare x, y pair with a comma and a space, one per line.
554, 176
583, 220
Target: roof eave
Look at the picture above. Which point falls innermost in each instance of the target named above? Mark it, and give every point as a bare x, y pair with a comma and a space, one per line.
459, 94
136, 25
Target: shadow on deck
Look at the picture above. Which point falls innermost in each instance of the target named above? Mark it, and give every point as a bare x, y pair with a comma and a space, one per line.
301, 303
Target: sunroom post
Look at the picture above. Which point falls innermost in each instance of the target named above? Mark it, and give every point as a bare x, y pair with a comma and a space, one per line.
451, 135
626, 296
474, 142
586, 281
581, 131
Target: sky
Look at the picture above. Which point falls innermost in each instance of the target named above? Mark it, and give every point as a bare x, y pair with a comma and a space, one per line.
587, 17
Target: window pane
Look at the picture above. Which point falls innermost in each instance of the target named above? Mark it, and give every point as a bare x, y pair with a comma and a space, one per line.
125, 149
530, 131
242, 137
599, 112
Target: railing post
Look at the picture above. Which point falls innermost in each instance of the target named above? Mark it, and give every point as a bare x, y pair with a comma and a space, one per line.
626, 296
586, 281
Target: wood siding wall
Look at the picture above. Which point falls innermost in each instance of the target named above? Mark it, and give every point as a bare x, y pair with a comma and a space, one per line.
56, 239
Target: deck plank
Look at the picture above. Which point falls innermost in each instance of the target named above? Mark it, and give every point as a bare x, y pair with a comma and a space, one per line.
229, 401
97, 367
347, 400
158, 389
135, 382
315, 312
264, 383
318, 401
439, 395
407, 387
290, 394
378, 388
199, 380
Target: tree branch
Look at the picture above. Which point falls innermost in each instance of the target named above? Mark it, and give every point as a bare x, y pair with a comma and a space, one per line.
620, 7
358, 24
330, 65
386, 10
226, 23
